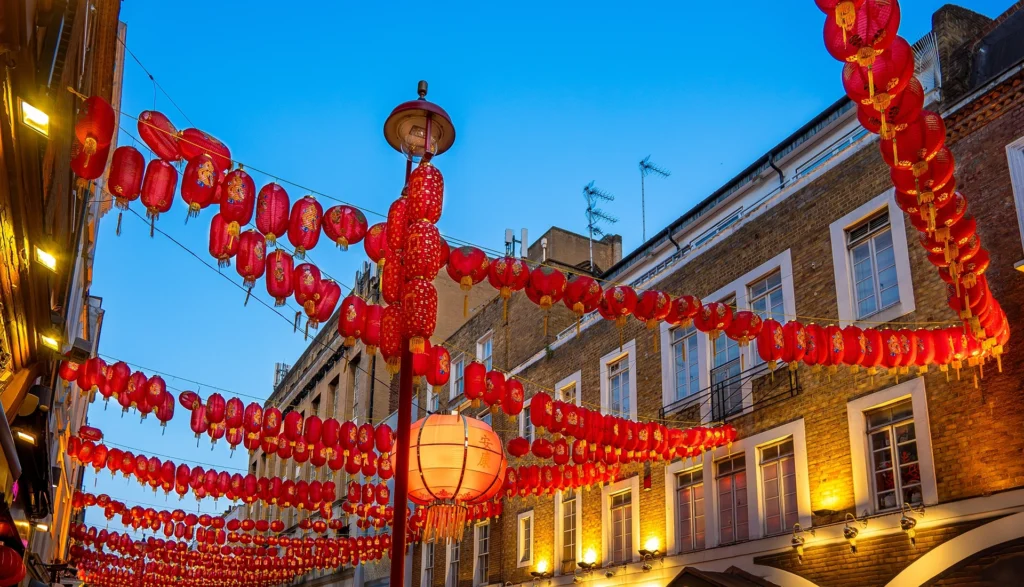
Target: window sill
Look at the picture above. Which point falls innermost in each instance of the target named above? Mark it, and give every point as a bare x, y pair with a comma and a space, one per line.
882, 316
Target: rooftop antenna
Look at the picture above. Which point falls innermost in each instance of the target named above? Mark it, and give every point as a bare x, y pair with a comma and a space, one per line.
595, 215
647, 168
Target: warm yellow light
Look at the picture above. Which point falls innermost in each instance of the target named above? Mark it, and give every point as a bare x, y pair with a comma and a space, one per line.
46, 259
829, 501
590, 557
542, 566
652, 544
49, 342
42, 527
26, 437
35, 118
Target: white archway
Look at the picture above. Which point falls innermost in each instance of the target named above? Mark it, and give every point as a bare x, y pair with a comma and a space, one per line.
951, 552
780, 577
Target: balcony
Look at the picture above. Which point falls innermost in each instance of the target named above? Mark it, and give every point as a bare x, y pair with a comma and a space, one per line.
734, 392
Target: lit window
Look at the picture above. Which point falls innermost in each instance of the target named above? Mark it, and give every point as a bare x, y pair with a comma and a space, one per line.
458, 377
568, 393
622, 527
726, 383
778, 480
732, 499
618, 385
525, 539
873, 263
895, 471
690, 510
484, 350
483, 549
684, 365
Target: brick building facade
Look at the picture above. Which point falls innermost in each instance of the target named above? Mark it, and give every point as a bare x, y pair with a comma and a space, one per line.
781, 238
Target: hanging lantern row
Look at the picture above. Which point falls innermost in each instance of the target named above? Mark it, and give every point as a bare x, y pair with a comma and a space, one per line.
878, 75
203, 483
547, 479
133, 390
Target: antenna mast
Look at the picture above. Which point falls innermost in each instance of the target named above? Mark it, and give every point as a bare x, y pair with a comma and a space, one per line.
595, 215
647, 168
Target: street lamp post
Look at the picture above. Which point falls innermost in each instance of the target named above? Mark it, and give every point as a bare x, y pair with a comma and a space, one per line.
416, 128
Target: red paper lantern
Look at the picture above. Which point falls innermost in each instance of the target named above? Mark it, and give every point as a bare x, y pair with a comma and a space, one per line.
872, 32
215, 408
155, 388
518, 447
541, 410
198, 183
494, 389
330, 293
391, 336
439, 371
844, 12
272, 209
474, 381
158, 187
193, 142
280, 275
874, 349
795, 337
239, 200
652, 307
582, 295
304, 225
223, 245
683, 310
94, 126
88, 166
422, 250
198, 421
376, 244
397, 224
69, 371
371, 332
816, 343
507, 275
713, 318
904, 108
771, 343
419, 312
745, 327
468, 266
251, 257
159, 134
124, 181
425, 193
877, 84
345, 225
352, 319
512, 404
915, 145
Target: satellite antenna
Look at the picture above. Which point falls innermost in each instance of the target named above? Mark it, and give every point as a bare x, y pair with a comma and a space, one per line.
595, 215
647, 168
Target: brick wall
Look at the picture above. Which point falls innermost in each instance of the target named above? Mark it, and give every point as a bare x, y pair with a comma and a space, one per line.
975, 432
999, 565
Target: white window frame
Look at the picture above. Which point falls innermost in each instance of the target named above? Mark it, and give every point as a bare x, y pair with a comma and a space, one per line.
668, 366
433, 400
424, 548
483, 340
520, 563
632, 484
671, 519
448, 563
860, 452
476, 553
524, 421
628, 352
760, 475
739, 289
1015, 160
453, 390
576, 378
843, 271
560, 526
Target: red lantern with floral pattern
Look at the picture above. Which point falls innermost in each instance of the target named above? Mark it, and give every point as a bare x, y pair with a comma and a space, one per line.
425, 193
329, 294
223, 245
272, 208
280, 276
251, 258
124, 180
158, 189
391, 336
198, 183
376, 244
238, 201
440, 367
352, 319
371, 331
193, 142
419, 312
512, 404
345, 225
745, 327
422, 250
304, 225
306, 282
468, 266
771, 343
713, 318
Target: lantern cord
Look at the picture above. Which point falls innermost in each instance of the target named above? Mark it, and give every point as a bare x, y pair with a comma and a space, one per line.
156, 84
178, 459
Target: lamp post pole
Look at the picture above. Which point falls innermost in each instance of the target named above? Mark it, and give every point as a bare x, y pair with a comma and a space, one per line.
398, 533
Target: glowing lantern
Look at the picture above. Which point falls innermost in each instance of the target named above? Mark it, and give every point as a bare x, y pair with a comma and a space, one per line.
925, 352
835, 346
419, 312
158, 187
455, 462
198, 183
425, 193
468, 266
272, 208
873, 350
94, 127
69, 371
159, 134
239, 200
304, 225
280, 274
345, 225
88, 166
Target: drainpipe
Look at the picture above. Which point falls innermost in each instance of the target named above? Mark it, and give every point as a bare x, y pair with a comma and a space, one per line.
673, 241
771, 163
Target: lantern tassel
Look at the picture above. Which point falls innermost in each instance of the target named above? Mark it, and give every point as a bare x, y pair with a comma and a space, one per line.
504, 310
545, 325
295, 326
465, 306
656, 335
248, 293
118, 231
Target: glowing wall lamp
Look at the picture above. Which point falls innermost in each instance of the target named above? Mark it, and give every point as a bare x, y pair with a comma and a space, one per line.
50, 341
908, 523
798, 542
46, 259
34, 118
542, 571
850, 532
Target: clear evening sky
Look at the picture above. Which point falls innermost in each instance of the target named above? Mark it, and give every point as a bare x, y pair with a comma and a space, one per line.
545, 97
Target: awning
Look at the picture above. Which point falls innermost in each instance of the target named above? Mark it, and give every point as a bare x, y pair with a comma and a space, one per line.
731, 577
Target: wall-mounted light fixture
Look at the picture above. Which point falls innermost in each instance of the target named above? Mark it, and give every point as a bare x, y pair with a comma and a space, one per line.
798, 542
34, 118
908, 523
46, 259
850, 532
50, 340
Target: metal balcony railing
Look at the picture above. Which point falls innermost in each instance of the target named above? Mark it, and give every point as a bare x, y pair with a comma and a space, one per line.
743, 391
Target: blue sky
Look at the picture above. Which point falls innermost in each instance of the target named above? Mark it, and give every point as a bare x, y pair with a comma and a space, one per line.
545, 98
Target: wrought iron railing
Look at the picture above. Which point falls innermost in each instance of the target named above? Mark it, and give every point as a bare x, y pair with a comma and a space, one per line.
750, 389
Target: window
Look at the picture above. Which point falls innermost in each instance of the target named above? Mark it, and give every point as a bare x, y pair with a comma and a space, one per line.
568, 393
526, 429
726, 386
485, 416
524, 548
458, 379
433, 401
895, 467
732, 499
778, 480
568, 525
690, 510
622, 527
454, 552
427, 579
873, 262
484, 350
685, 365
618, 382
483, 550
766, 297
1015, 158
